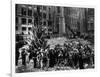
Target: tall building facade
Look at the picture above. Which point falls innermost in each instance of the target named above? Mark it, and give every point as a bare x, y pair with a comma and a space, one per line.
78, 20
24, 20
29, 17
90, 18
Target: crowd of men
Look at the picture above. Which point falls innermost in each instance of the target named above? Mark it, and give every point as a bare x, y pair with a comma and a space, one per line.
74, 55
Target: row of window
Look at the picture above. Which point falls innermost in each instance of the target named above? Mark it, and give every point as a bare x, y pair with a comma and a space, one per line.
24, 21
24, 12
24, 28
29, 12
29, 21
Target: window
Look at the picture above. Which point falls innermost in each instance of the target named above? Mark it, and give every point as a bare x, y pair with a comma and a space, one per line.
57, 20
44, 7
57, 28
58, 9
29, 28
29, 21
23, 21
29, 12
49, 23
16, 20
40, 22
23, 28
16, 8
23, 11
44, 15
35, 14
44, 23
92, 26
16, 28
38, 9
49, 16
